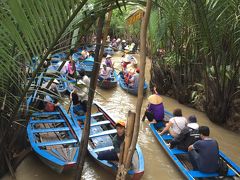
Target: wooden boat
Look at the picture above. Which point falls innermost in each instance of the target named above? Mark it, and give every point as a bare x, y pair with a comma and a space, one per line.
102, 132
55, 58
54, 138
108, 84
62, 86
86, 64
180, 159
125, 87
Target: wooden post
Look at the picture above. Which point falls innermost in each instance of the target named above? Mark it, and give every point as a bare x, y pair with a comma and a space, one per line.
143, 36
122, 170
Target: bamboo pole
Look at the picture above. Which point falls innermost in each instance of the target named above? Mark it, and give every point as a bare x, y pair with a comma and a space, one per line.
143, 36
92, 88
122, 171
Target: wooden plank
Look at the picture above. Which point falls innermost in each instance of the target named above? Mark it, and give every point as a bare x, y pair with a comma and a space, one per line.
103, 133
45, 113
100, 123
52, 143
103, 149
47, 121
50, 130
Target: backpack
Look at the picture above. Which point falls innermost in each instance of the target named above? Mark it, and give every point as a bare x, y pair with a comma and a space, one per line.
222, 167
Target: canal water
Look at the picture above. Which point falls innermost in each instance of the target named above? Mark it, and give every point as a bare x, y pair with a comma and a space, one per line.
157, 164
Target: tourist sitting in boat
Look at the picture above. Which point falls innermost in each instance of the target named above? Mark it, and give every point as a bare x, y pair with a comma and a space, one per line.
50, 103
155, 110
187, 136
108, 61
71, 68
105, 73
113, 155
204, 154
175, 124
82, 93
84, 77
125, 62
77, 107
133, 81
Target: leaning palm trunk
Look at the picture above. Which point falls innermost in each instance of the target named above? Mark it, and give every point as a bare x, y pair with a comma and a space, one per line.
92, 88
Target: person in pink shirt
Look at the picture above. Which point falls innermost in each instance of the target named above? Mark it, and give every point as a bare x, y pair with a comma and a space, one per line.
71, 67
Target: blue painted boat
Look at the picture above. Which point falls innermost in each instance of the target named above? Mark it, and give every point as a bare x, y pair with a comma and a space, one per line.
102, 132
108, 84
179, 157
125, 87
70, 85
55, 58
62, 86
86, 64
54, 138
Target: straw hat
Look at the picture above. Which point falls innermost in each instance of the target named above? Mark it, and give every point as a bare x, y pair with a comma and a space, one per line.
155, 99
55, 81
123, 41
121, 123
126, 60
108, 56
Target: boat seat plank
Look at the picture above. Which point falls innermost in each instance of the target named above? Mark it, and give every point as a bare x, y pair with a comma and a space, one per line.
93, 115
52, 143
103, 149
178, 151
103, 133
45, 113
100, 123
167, 137
47, 121
45, 130
198, 174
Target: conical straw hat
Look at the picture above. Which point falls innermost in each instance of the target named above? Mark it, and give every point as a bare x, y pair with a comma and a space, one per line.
155, 99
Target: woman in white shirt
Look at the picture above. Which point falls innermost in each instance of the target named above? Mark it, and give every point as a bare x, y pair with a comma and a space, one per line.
175, 124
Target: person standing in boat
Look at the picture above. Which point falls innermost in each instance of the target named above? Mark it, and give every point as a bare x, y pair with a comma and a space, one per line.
84, 77
204, 154
113, 155
175, 124
155, 110
187, 136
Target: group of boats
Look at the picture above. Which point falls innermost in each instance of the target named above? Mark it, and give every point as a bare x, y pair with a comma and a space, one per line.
55, 136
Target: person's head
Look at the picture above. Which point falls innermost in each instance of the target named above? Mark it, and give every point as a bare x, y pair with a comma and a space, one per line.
177, 113
204, 131
192, 119
108, 57
120, 127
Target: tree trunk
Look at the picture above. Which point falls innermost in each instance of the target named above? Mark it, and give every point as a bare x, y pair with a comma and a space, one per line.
143, 49
92, 88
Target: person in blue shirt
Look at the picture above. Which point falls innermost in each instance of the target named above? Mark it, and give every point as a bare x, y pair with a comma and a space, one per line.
204, 153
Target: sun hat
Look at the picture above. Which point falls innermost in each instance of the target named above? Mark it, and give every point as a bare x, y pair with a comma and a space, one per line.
155, 99
55, 81
126, 60
108, 56
121, 123
123, 41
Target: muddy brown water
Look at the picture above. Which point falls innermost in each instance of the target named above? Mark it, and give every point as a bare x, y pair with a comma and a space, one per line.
157, 164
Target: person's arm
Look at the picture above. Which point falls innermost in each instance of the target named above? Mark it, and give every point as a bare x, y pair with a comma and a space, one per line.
177, 140
166, 128
116, 145
194, 146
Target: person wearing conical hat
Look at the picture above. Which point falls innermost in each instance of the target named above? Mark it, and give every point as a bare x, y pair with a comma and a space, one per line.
155, 110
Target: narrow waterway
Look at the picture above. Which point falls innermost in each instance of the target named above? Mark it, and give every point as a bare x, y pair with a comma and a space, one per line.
157, 164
